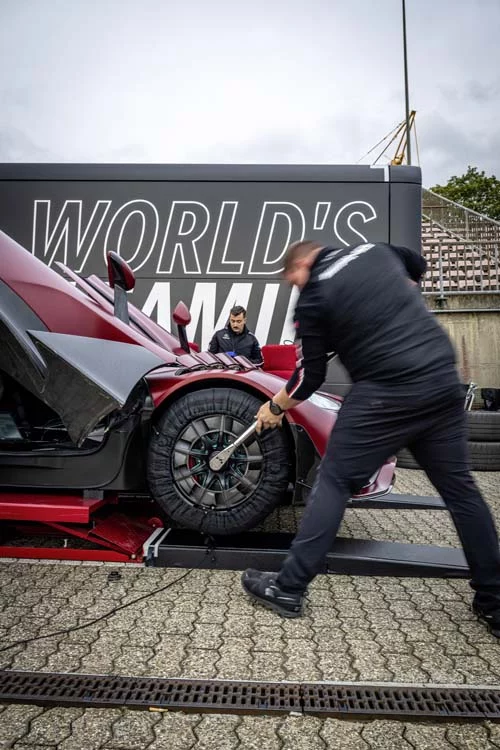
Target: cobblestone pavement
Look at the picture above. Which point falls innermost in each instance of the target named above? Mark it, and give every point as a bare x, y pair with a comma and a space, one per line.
355, 628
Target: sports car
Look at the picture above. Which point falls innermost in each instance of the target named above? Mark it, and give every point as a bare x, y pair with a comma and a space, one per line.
94, 395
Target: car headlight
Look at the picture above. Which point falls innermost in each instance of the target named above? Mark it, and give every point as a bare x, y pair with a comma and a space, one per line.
324, 402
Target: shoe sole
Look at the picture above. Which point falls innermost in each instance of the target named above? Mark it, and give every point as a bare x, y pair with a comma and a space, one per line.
271, 605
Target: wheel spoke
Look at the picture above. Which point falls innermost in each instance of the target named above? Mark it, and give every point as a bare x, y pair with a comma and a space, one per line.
185, 472
190, 451
202, 496
250, 486
200, 427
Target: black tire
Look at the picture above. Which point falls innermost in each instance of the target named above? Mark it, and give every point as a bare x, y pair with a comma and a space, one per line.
482, 456
230, 501
484, 426
406, 460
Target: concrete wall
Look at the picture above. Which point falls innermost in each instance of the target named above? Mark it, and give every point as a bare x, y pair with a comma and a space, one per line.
473, 324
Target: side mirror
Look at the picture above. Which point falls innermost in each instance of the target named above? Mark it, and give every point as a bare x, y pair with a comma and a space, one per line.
181, 314
119, 273
182, 318
122, 280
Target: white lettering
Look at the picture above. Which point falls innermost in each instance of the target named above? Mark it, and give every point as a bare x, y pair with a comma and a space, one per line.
266, 312
321, 214
292, 221
365, 210
159, 298
183, 241
65, 238
217, 262
149, 220
288, 332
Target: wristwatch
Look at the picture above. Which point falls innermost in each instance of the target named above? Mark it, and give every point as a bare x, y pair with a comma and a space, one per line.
275, 409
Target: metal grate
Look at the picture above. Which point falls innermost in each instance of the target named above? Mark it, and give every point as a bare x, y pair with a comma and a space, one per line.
233, 696
401, 701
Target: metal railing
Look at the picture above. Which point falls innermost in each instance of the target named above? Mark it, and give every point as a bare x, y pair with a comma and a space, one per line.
460, 221
461, 246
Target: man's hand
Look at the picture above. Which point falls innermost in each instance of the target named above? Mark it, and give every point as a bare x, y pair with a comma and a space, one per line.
266, 419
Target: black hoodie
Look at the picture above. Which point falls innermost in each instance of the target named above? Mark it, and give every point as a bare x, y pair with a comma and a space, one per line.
359, 303
244, 344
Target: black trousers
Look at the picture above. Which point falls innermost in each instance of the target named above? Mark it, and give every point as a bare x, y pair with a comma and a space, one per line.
374, 423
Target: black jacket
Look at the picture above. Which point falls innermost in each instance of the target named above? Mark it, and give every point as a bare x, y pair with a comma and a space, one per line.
244, 344
358, 303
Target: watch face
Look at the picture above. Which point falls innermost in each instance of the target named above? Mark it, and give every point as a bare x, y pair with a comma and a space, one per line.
275, 409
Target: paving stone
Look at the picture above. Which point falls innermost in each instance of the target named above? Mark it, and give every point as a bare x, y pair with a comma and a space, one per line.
187, 602
133, 660
428, 736
15, 722
239, 626
385, 735
330, 639
177, 623
199, 663
406, 668
23, 746
267, 665
175, 731
217, 732
416, 632
207, 635
404, 610
259, 733
143, 635
133, 730
92, 730
298, 628
235, 658
338, 734
217, 595
494, 733
216, 614
52, 726
336, 666
268, 638
68, 657
469, 736
301, 733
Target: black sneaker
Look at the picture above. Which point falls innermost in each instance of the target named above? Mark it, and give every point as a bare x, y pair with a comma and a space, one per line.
491, 619
263, 588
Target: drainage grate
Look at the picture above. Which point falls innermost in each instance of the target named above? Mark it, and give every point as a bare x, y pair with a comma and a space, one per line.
401, 701
54, 689
233, 696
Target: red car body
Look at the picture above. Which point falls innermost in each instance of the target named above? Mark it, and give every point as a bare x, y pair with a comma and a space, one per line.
65, 347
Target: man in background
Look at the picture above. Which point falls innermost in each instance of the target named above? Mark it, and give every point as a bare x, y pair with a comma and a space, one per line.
236, 339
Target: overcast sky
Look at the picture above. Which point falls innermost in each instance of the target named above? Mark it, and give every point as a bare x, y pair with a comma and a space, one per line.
263, 81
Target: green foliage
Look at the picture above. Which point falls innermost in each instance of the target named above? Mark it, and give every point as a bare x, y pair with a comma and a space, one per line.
474, 190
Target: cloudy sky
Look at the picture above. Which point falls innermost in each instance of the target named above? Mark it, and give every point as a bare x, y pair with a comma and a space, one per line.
269, 81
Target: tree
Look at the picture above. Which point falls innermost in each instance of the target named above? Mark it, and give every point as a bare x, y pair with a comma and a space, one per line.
474, 190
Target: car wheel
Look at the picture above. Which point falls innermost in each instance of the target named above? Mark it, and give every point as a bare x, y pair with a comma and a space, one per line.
244, 491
